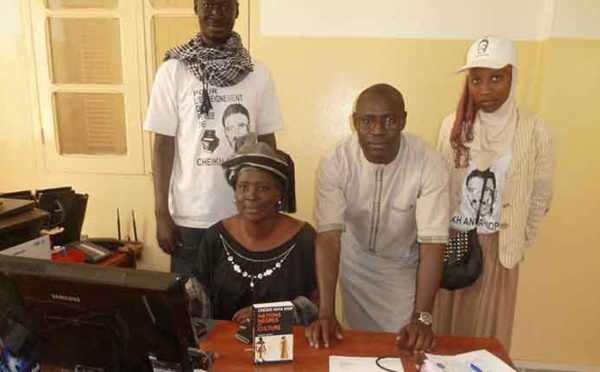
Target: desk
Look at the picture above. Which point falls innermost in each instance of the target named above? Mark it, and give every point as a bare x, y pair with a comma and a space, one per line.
124, 258
236, 356
21, 227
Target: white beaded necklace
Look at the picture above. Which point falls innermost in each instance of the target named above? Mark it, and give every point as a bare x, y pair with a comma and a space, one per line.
246, 274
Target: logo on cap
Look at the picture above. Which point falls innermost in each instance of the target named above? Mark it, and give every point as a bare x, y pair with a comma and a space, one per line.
482, 47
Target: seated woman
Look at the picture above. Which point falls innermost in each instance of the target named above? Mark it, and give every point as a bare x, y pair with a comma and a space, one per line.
260, 254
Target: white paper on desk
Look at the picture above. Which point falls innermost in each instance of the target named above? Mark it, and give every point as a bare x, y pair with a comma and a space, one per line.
361, 364
483, 359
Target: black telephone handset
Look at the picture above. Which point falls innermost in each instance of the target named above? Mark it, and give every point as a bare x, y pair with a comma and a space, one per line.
111, 244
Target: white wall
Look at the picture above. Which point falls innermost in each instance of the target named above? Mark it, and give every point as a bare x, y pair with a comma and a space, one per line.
439, 19
449, 19
576, 19
10, 20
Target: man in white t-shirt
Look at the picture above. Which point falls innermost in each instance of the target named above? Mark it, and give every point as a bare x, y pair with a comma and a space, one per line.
206, 95
382, 216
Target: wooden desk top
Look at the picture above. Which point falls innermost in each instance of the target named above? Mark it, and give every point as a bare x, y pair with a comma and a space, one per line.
123, 257
233, 355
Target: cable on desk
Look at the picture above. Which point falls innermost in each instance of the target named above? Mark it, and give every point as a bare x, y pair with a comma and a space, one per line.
379, 359
420, 362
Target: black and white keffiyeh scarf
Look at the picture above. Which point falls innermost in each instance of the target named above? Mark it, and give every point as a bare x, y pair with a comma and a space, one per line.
223, 67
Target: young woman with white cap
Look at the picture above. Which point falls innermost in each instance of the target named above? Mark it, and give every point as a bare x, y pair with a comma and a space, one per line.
488, 134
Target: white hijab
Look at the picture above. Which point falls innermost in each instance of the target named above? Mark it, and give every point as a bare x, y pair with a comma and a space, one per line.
494, 132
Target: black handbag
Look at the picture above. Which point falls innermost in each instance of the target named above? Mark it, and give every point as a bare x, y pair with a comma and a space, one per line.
463, 260
463, 257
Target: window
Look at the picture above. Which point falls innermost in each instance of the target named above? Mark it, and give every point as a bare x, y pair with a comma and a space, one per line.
88, 84
95, 62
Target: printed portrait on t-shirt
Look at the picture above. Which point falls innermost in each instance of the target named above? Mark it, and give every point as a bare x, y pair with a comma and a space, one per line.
236, 124
481, 191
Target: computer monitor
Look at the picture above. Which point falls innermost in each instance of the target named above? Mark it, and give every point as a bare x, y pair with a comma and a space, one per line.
77, 314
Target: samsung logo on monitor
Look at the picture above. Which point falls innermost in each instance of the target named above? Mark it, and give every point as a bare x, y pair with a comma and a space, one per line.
65, 298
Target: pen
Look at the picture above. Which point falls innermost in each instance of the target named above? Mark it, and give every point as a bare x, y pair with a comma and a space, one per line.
475, 368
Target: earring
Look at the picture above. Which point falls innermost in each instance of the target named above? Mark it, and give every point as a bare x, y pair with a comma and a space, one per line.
234, 200
279, 204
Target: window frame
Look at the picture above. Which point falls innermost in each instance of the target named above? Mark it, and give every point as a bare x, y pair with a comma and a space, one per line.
133, 80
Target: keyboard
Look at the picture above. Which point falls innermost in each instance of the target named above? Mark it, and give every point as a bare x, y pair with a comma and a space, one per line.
93, 252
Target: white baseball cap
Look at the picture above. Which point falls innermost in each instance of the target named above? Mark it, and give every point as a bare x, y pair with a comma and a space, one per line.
491, 52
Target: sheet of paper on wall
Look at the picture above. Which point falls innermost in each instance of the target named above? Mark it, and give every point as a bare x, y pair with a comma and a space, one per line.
474, 361
361, 364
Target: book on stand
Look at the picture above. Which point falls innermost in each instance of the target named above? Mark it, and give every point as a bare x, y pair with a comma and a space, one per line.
272, 332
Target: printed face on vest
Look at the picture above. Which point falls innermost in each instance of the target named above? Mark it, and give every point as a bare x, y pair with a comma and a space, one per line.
216, 18
379, 120
482, 191
256, 195
236, 123
489, 87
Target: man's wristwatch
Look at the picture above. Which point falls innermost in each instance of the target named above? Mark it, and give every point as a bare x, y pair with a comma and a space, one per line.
423, 317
